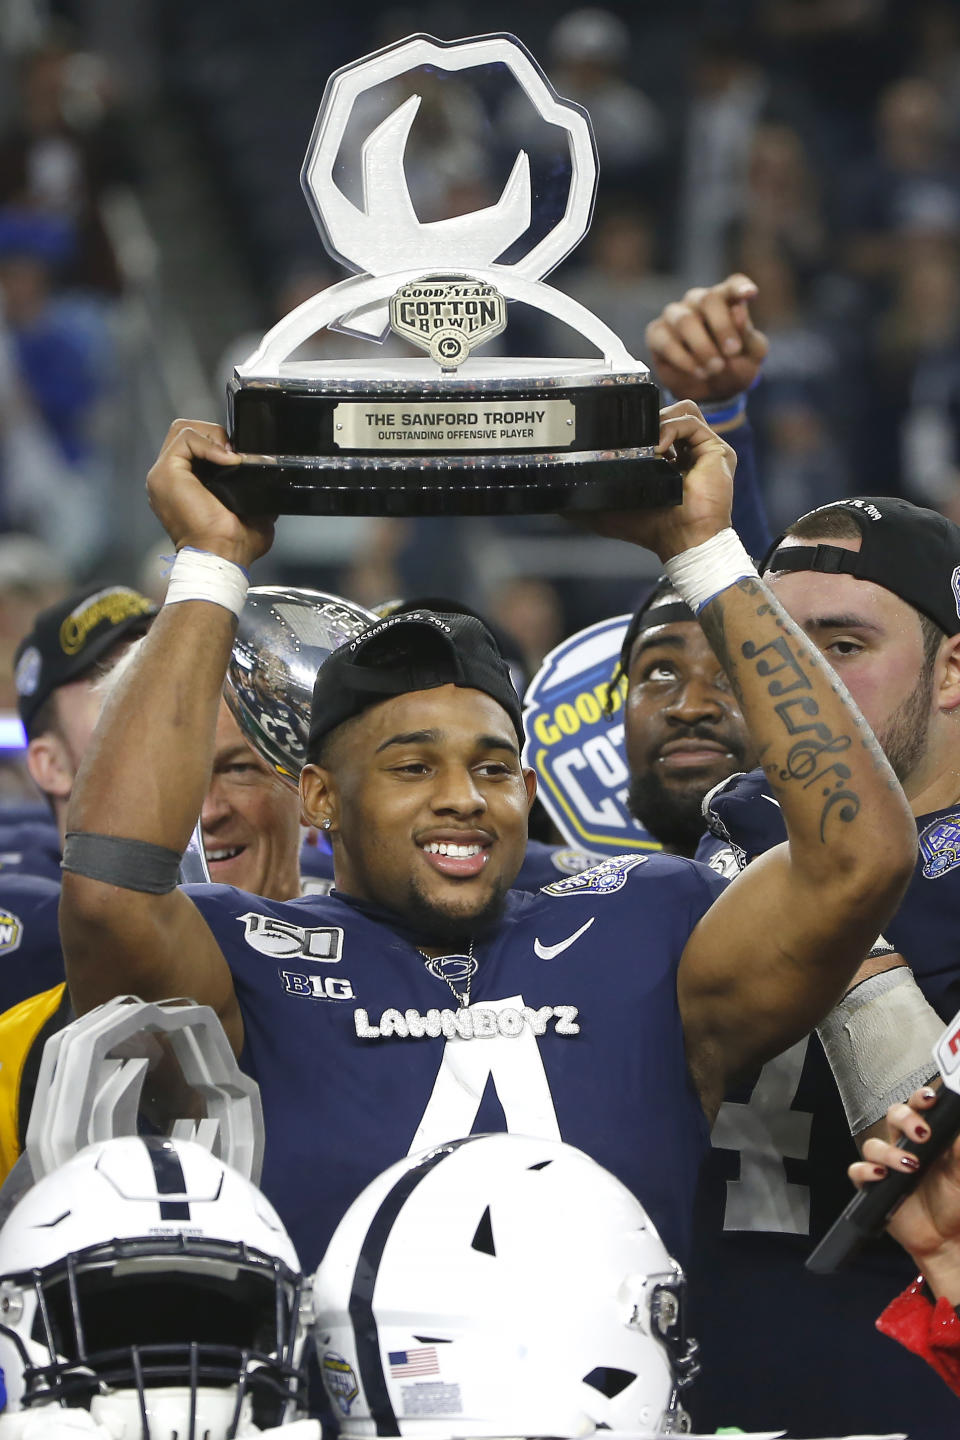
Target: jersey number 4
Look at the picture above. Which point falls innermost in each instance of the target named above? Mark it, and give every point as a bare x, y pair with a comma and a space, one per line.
765, 1132
516, 1068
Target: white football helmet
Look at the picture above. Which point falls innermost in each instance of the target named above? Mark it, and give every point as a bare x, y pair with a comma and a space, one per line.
146, 1281
501, 1286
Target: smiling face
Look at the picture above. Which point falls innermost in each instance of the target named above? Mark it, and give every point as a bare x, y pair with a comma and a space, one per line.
875, 642
684, 731
428, 806
250, 820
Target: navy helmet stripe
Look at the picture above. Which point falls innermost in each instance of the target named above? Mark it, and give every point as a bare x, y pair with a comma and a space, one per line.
169, 1176
366, 1335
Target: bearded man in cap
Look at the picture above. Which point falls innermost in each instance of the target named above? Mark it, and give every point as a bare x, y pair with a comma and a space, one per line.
873, 583
683, 730
420, 1000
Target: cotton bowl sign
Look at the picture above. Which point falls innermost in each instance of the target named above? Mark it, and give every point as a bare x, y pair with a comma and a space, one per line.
577, 749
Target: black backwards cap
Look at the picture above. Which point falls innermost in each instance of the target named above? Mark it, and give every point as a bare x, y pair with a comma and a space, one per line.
69, 638
414, 650
662, 606
912, 552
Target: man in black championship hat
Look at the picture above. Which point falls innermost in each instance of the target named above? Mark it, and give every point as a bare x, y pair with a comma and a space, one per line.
875, 584
421, 999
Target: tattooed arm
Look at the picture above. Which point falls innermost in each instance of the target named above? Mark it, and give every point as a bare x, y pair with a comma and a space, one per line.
775, 952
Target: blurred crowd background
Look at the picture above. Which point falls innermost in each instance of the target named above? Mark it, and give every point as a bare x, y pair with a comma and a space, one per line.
152, 227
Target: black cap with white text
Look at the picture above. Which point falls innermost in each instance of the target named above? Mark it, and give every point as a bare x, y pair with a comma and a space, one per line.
418, 650
912, 552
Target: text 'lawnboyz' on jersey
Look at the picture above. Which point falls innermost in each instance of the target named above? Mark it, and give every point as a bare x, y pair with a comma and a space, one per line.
362, 1054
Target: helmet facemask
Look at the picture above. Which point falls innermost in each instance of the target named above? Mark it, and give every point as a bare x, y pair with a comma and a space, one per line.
105, 1329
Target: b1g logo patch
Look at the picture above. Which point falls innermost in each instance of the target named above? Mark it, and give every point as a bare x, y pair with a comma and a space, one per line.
317, 987
603, 879
940, 846
281, 940
339, 1381
11, 932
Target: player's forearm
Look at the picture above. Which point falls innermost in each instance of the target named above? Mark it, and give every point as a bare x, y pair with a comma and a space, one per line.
148, 766
847, 818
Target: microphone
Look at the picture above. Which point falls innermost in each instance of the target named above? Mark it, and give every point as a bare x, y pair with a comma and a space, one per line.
871, 1208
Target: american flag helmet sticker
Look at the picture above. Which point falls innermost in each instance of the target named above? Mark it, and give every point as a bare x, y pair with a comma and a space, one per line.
407, 1363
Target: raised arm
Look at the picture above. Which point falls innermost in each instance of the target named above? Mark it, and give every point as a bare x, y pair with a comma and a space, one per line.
148, 767
706, 348
776, 950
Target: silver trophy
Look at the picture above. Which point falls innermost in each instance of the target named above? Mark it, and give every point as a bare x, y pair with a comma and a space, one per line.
284, 636
129, 1060
444, 431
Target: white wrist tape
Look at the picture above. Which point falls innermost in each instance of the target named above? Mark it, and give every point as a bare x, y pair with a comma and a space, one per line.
702, 572
198, 575
878, 1041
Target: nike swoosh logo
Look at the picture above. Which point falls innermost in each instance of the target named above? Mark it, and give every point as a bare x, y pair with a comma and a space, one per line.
549, 952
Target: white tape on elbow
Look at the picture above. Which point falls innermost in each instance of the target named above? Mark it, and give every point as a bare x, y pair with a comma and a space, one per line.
878, 1041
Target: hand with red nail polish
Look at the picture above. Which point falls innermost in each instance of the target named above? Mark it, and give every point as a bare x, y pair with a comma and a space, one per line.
927, 1223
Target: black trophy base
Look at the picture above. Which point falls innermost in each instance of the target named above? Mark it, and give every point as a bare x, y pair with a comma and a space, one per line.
549, 436
443, 485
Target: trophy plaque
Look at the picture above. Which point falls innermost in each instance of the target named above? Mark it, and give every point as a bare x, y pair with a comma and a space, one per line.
441, 430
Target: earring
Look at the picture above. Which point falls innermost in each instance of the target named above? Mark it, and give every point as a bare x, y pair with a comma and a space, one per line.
326, 824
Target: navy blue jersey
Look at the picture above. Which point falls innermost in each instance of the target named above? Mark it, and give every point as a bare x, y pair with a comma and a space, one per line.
316, 857
361, 1055
18, 811
743, 813
30, 956
775, 1180
30, 847
749, 512
718, 854
542, 864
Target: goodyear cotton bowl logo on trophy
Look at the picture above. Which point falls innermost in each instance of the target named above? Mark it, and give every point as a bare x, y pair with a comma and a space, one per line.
448, 318
445, 431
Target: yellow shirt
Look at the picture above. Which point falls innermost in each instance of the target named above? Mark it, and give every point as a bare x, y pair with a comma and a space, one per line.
24, 1030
